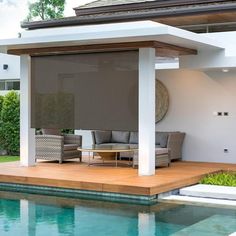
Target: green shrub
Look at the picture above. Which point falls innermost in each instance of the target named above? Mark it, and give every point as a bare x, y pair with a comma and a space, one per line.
223, 178
1, 102
67, 131
10, 123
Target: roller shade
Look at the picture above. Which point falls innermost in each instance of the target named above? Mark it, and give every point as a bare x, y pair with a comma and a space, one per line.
92, 91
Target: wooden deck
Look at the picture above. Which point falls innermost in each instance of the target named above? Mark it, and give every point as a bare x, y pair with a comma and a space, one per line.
77, 175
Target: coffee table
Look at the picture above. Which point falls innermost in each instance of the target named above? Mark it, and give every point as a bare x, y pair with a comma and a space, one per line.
108, 151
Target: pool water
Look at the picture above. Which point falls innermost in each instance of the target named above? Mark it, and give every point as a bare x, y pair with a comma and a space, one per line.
35, 215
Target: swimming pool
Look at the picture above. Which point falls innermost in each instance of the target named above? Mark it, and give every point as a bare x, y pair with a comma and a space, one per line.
38, 215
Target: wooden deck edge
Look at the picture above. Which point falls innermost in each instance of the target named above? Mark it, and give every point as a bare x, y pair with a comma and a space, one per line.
126, 189
76, 185
50, 182
104, 187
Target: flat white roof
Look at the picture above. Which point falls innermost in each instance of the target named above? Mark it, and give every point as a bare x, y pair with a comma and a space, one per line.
111, 33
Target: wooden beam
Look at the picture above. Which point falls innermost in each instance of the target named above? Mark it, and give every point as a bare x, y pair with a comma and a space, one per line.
169, 49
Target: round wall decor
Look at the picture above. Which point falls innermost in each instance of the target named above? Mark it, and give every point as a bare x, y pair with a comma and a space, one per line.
162, 100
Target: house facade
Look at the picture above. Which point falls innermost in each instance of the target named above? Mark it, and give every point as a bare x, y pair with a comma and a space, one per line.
198, 69
9, 73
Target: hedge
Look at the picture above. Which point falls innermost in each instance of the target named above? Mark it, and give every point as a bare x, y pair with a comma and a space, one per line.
10, 123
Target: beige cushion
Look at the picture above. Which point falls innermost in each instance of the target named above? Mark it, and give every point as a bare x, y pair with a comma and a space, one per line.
161, 151
70, 147
51, 131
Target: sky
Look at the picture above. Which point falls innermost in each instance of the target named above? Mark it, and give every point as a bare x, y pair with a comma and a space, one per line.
12, 12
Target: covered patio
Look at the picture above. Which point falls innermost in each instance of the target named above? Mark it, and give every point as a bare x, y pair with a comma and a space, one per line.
150, 40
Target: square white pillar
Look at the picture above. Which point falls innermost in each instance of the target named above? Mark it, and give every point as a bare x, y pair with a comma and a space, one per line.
146, 111
27, 134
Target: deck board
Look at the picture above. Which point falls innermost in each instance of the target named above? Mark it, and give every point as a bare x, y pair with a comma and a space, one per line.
75, 175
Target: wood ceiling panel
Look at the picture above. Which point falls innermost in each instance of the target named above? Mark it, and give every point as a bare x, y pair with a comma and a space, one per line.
163, 49
199, 19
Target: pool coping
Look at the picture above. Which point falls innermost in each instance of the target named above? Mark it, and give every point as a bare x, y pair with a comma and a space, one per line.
204, 194
210, 191
178, 199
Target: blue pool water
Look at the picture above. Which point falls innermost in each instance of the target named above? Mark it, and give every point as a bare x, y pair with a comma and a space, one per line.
35, 215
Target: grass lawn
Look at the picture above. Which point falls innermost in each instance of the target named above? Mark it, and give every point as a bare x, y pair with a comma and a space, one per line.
223, 179
9, 158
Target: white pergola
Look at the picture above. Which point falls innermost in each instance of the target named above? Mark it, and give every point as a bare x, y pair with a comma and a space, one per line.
150, 38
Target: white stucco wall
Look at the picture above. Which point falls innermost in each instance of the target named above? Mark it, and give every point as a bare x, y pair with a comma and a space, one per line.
194, 97
13, 71
228, 38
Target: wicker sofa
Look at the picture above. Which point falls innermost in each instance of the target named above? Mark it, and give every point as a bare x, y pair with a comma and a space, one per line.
168, 144
53, 146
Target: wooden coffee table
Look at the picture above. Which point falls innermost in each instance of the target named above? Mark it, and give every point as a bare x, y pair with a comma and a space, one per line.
108, 151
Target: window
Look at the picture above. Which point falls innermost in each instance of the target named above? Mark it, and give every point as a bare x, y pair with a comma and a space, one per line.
10, 85
2, 85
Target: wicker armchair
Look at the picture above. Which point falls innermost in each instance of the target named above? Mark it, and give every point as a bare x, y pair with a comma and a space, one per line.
57, 147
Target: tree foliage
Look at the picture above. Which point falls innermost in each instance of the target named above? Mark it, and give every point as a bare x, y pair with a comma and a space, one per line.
10, 123
46, 9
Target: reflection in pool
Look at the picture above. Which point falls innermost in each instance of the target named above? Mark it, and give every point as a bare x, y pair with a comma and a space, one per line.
36, 215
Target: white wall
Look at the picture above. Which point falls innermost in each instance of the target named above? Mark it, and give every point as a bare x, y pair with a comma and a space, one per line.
194, 97
13, 71
228, 38
86, 138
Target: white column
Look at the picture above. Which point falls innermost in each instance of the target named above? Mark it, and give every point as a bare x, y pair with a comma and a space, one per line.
27, 134
146, 111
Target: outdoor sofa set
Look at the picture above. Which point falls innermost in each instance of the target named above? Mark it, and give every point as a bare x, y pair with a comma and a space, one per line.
168, 144
52, 145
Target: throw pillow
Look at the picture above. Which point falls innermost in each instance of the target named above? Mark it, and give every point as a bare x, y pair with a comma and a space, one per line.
120, 137
102, 136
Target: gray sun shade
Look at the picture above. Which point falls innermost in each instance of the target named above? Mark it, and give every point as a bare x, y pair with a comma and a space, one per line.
92, 91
